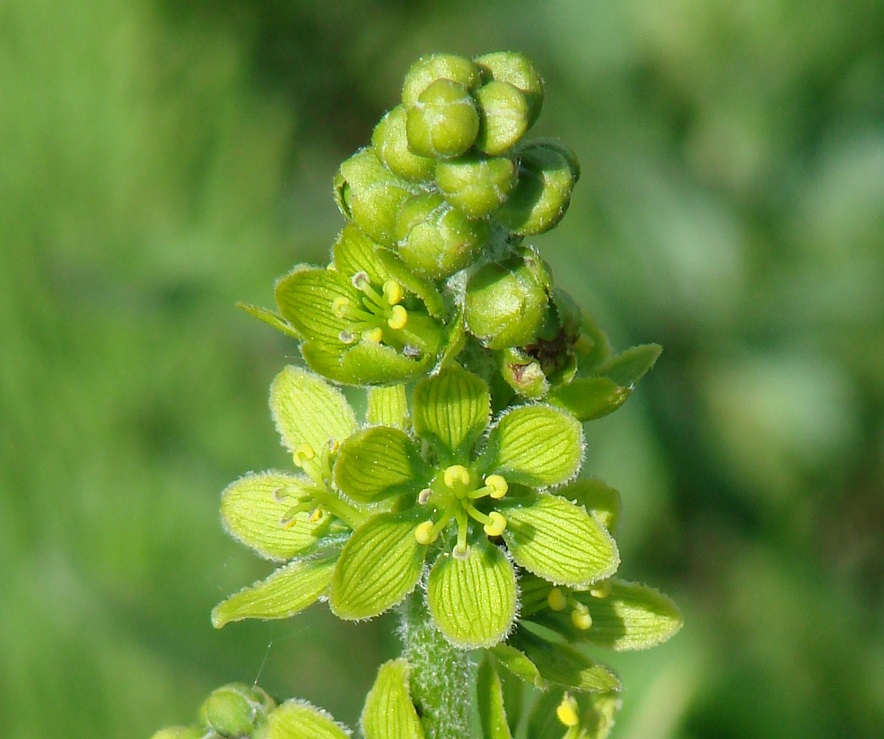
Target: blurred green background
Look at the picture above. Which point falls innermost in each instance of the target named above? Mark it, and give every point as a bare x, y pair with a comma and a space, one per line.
162, 159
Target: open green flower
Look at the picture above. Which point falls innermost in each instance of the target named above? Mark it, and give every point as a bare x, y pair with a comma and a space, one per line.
366, 319
301, 519
460, 492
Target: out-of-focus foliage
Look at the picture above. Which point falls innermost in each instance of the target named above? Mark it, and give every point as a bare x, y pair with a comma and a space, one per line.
161, 160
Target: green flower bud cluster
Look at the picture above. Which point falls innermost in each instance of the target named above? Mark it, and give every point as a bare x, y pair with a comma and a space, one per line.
457, 492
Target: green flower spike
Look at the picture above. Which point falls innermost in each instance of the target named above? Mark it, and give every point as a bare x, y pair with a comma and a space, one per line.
300, 519
436, 240
359, 323
464, 506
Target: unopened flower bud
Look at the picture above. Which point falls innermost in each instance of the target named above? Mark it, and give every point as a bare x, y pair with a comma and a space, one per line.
506, 302
444, 122
233, 710
504, 117
475, 184
547, 174
436, 240
370, 195
391, 146
432, 67
517, 70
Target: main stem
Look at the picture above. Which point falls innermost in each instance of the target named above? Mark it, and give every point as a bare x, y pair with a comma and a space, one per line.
442, 677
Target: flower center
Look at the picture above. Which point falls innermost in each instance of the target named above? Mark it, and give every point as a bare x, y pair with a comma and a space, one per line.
377, 317
454, 493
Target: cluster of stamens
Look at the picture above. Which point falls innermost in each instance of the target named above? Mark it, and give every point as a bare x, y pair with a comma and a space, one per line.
318, 498
454, 493
376, 314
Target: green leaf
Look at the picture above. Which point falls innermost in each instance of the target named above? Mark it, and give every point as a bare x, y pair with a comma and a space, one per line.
518, 664
628, 367
379, 462
632, 616
492, 713
368, 363
271, 318
589, 398
253, 509
297, 719
473, 600
354, 252
307, 410
305, 297
535, 445
601, 500
287, 591
558, 540
388, 406
565, 666
420, 286
389, 712
451, 410
379, 566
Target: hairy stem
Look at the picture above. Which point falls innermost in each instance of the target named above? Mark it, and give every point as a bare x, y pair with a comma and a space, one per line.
442, 677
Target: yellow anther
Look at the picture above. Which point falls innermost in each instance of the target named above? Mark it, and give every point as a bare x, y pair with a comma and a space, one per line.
580, 617
303, 454
315, 516
567, 711
333, 446
601, 589
457, 473
393, 292
374, 335
423, 532
340, 305
398, 319
557, 600
498, 486
496, 524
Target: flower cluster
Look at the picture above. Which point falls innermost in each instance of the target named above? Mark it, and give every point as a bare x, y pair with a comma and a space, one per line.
460, 484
